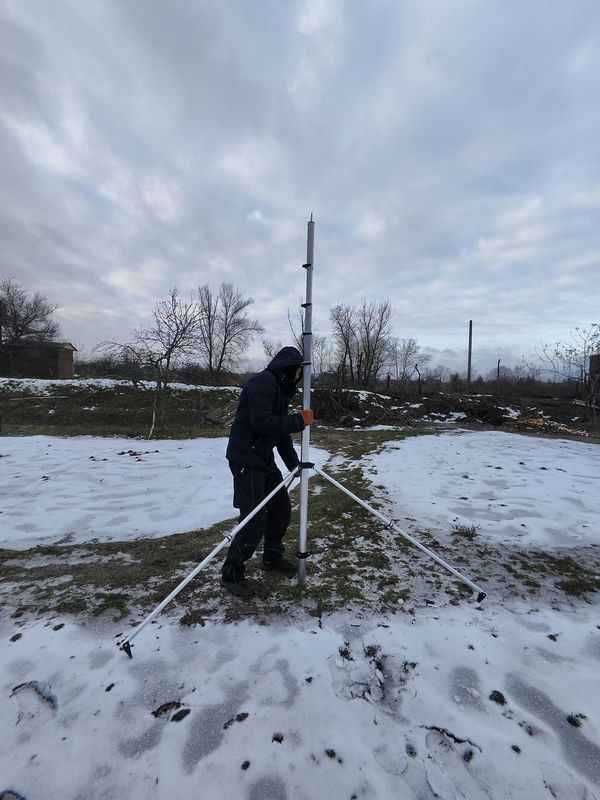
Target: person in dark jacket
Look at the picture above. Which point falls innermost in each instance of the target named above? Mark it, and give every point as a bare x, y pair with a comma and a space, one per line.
261, 423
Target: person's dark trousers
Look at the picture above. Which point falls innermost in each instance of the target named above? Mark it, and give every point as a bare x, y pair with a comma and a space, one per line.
250, 486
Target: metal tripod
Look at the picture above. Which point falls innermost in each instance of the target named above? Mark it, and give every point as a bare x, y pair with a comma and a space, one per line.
304, 469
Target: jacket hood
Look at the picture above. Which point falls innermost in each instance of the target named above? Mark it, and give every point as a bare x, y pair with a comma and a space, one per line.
287, 357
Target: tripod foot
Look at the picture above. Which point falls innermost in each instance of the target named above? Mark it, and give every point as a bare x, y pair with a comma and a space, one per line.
126, 647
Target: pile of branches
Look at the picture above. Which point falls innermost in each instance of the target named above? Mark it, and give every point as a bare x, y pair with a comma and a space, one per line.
336, 406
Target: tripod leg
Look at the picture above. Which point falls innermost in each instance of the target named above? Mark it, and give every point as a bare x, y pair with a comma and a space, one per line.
125, 644
391, 524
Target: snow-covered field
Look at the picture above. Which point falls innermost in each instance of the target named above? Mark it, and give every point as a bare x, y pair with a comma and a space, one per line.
82, 488
40, 386
360, 708
459, 702
512, 487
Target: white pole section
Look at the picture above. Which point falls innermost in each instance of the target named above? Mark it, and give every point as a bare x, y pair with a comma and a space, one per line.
305, 449
125, 644
391, 524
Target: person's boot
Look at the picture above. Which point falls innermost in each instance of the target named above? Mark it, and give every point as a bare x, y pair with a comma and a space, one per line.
241, 588
280, 564
233, 580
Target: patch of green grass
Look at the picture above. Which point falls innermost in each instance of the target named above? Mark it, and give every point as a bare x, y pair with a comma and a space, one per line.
75, 605
111, 602
350, 568
356, 443
580, 585
123, 411
577, 577
357, 562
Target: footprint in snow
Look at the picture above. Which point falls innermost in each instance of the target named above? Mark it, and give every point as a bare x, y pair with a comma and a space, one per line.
173, 711
465, 688
35, 701
390, 761
456, 767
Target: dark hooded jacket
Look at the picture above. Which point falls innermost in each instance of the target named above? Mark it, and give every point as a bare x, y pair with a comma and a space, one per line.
262, 421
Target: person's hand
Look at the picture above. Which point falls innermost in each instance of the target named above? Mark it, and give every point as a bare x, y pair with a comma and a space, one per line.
308, 416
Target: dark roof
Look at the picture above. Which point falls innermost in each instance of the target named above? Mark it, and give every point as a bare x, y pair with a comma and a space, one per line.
46, 345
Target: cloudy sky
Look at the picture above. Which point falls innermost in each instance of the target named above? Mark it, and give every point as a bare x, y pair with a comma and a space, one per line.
450, 152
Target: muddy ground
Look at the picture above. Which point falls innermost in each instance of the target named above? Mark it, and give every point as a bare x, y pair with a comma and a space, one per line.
356, 562
126, 410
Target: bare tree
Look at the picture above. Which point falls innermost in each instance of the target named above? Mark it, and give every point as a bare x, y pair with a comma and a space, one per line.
322, 354
439, 373
570, 359
207, 328
343, 319
404, 355
24, 316
527, 370
225, 329
321, 346
271, 347
402, 358
235, 328
373, 334
296, 325
362, 336
161, 348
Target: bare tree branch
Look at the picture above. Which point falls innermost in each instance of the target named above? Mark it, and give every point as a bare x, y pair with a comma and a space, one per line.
362, 336
403, 355
297, 328
24, 317
162, 347
225, 328
343, 319
271, 347
322, 354
570, 359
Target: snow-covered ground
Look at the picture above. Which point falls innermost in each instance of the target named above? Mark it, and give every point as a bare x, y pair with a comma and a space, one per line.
40, 386
376, 428
360, 708
510, 412
458, 702
81, 488
365, 395
512, 487
442, 419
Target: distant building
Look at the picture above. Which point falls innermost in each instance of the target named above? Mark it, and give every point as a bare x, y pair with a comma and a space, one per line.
31, 359
594, 365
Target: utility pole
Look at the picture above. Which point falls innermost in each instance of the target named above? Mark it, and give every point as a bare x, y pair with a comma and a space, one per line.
470, 353
306, 387
498, 371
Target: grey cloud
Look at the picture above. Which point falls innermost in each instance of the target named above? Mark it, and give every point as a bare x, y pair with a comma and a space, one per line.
449, 154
